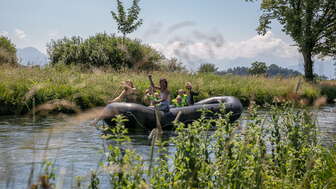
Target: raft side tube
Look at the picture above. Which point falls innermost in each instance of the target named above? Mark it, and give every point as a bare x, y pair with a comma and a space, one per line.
140, 116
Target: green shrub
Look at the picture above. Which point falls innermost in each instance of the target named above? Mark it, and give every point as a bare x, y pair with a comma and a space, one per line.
104, 50
7, 51
278, 150
328, 89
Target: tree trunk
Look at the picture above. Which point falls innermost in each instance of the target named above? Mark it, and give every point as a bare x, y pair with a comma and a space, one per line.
308, 65
123, 48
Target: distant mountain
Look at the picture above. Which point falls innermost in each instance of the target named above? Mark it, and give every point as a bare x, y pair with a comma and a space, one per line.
31, 56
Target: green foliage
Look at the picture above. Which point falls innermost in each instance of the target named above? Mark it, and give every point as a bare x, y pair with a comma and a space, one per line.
235, 71
277, 150
275, 70
328, 89
272, 71
311, 24
128, 21
258, 68
207, 68
94, 87
94, 181
104, 50
7, 51
172, 65
47, 178
124, 166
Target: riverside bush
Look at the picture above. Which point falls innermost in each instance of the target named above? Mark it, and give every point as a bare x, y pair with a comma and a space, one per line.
104, 50
328, 89
7, 51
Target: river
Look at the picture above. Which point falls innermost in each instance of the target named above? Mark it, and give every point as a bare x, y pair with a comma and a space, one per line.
77, 148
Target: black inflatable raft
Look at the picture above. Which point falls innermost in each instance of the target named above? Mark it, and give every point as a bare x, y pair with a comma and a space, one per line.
140, 116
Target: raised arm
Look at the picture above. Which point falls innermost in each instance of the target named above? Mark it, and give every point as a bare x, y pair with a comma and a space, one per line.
130, 88
119, 98
151, 82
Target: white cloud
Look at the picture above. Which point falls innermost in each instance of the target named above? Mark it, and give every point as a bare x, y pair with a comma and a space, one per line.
19, 34
4, 33
213, 47
54, 35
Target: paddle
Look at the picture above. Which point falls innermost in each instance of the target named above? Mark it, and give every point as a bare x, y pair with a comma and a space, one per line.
156, 111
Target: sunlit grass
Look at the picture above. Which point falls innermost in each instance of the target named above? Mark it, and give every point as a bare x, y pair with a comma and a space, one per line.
91, 88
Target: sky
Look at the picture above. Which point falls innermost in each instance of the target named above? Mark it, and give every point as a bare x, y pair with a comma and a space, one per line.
195, 31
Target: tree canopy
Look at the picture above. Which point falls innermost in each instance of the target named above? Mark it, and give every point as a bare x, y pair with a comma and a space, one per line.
258, 68
7, 51
311, 24
207, 68
128, 21
272, 70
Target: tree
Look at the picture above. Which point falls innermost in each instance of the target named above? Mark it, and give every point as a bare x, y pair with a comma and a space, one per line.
235, 71
128, 21
272, 70
258, 68
275, 70
311, 24
207, 68
172, 65
7, 51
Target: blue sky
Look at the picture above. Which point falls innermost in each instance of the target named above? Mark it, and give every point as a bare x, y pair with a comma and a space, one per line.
195, 31
41, 20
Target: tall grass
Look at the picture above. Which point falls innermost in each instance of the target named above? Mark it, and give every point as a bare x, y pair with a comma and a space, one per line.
90, 88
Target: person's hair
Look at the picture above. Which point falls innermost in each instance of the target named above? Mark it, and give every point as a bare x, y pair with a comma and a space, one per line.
164, 81
130, 83
180, 91
188, 84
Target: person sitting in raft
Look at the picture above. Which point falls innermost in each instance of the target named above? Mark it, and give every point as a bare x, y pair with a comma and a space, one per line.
190, 93
181, 99
128, 94
164, 101
150, 97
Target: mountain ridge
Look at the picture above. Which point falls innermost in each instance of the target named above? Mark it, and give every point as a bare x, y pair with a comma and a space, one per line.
31, 56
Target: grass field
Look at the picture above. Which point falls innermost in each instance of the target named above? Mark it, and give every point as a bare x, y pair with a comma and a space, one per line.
21, 87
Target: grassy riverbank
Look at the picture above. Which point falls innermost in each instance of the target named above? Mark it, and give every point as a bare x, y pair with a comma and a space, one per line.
70, 88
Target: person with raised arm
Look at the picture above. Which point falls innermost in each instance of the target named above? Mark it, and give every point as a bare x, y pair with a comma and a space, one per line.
164, 101
128, 94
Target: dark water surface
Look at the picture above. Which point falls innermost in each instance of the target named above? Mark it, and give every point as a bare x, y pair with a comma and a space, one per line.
77, 149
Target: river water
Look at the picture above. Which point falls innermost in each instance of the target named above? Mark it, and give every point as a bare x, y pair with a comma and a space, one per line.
76, 149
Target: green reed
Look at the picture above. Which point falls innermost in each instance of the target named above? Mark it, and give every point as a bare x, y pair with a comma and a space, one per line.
277, 149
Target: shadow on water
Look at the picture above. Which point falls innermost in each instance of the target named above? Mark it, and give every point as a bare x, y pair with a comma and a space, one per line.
78, 148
